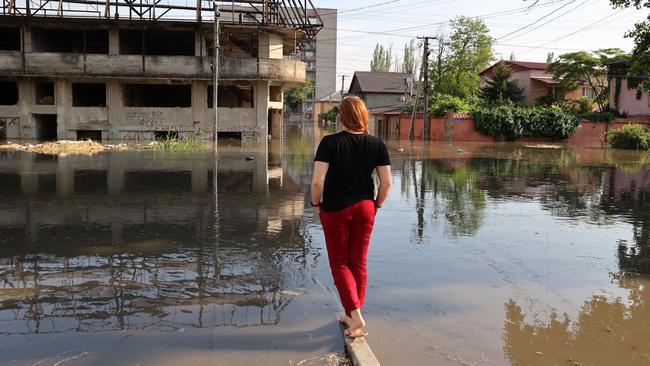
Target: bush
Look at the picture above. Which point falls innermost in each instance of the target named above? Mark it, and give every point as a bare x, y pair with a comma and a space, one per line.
443, 103
631, 136
513, 122
331, 114
583, 105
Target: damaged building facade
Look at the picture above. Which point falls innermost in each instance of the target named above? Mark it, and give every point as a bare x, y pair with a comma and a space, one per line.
112, 70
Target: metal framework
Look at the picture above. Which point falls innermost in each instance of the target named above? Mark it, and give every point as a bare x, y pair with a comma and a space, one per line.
299, 15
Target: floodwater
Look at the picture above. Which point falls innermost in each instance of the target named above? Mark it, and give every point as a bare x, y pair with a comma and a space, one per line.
484, 254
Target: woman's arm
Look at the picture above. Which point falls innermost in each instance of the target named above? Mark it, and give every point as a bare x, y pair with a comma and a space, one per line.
385, 184
318, 182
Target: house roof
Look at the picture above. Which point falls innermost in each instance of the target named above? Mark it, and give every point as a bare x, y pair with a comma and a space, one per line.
334, 97
381, 82
547, 80
519, 66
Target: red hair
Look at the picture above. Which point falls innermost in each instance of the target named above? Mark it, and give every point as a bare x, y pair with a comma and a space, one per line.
354, 114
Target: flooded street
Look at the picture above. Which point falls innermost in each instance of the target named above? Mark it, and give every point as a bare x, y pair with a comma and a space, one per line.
484, 254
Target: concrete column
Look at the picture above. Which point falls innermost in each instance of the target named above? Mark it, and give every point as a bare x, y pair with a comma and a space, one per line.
24, 128
63, 103
113, 41
198, 37
261, 107
27, 34
113, 107
270, 46
276, 123
200, 111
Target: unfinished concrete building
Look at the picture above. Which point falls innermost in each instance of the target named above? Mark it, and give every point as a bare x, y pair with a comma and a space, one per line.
138, 70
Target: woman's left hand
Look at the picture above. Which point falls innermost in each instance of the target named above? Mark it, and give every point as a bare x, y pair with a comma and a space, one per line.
317, 210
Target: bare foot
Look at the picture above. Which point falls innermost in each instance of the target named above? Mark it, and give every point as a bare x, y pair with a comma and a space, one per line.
355, 324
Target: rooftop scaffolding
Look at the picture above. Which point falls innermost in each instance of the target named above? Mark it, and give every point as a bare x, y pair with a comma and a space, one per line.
298, 15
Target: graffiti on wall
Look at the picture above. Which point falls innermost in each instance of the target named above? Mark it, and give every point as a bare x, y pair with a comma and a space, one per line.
8, 123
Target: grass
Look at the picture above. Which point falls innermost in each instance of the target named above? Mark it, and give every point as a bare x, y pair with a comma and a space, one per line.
173, 144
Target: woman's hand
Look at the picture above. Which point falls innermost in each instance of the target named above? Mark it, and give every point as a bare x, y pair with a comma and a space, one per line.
317, 210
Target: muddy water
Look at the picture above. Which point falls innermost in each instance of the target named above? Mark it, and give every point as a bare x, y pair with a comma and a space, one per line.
484, 254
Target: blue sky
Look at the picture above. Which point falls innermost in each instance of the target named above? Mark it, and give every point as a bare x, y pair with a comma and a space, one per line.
557, 26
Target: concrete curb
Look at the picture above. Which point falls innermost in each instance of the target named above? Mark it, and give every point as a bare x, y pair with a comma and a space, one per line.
359, 350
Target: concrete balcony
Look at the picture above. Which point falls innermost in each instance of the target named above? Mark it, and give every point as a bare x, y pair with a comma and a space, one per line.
181, 67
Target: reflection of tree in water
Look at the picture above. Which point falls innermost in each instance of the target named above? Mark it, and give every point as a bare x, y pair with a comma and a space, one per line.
453, 192
628, 195
606, 332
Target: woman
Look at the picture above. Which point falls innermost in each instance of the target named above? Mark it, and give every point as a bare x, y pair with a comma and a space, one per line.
343, 169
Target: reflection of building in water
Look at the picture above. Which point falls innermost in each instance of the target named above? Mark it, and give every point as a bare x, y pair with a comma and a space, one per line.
136, 70
126, 240
606, 332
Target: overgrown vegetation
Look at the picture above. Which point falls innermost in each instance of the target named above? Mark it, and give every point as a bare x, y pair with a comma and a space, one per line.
631, 136
443, 103
172, 143
330, 115
512, 122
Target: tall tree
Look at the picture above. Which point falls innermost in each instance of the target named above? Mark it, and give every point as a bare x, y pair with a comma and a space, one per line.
470, 52
500, 87
641, 35
411, 60
589, 69
382, 59
439, 63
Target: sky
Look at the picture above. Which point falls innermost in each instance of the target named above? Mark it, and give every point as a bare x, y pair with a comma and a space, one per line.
557, 26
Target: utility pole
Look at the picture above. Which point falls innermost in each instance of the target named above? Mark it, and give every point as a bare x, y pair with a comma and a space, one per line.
215, 68
342, 86
425, 69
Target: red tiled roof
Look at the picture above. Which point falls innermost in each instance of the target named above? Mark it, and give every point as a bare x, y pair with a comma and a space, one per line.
519, 66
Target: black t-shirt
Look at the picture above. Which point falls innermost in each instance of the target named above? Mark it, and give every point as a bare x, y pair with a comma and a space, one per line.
352, 159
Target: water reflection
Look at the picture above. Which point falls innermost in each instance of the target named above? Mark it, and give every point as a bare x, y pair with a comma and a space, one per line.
606, 332
135, 241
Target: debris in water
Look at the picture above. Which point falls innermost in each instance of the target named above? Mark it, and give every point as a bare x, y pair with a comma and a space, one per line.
249, 158
64, 147
539, 353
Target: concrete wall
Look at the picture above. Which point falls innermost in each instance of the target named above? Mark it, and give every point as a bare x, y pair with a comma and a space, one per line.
326, 81
628, 101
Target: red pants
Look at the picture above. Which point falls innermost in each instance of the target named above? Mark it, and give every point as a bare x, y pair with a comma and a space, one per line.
347, 235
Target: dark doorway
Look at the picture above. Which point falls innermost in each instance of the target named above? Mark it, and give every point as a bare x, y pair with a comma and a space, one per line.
45, 127
3, 130
89, 135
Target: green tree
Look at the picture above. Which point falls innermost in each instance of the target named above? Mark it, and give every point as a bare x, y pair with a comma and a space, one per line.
589, 69
382, 59
641, 36
297, 95
500, 87
470, 52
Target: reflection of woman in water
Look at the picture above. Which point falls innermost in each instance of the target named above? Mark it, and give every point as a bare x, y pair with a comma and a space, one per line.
343, 170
